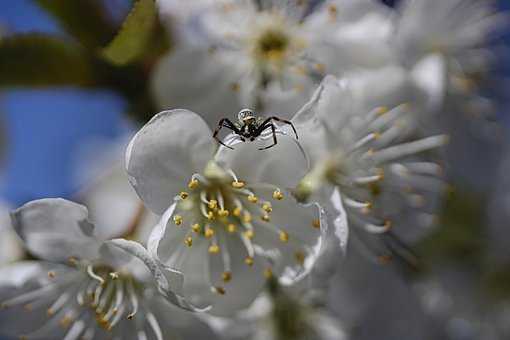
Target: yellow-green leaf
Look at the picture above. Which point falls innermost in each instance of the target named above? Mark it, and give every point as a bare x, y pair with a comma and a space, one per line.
135, 35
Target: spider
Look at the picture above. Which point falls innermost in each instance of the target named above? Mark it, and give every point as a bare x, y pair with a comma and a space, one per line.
250, 126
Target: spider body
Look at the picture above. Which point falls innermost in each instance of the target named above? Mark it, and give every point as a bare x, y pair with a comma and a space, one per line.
249, 126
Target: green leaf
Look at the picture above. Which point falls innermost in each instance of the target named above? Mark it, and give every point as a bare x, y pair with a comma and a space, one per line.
85, 20
135, 35
40, 60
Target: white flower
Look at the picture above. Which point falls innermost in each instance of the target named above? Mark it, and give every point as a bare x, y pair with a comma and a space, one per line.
83, 287
10, 247
268, 55
226, 224
373, 162
456, 32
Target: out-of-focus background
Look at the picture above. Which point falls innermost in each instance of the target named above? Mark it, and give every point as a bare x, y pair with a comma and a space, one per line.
64, 122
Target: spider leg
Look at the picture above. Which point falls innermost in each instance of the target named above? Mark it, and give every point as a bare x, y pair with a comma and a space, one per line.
275, 141
225, 122
285, 122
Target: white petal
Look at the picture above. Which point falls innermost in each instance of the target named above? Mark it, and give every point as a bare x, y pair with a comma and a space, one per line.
429, 74
282, 165
169, 281
195, 79
165, 153
56, 229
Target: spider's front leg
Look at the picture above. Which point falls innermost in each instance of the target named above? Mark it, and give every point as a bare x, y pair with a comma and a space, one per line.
288, 122
225, 122
273, 130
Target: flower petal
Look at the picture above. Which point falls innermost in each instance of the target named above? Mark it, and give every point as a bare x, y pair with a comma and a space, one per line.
164, 154
56, 229
282, 165
169, 281
198, 80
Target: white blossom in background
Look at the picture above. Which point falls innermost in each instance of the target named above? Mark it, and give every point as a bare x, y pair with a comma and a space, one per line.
453, 34
10, 246
280, 314
84, 287
368, 162
267, 55
228, 222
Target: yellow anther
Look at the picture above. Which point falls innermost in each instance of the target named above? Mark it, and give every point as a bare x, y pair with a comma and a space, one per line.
213, 204
268, 273
249, 261
387, 225
209, 232
249, 234
223, 213
196, 228
214, 249
238, 184
381, 110
247, 217
267, 207
277, 195
65, 321
219, 290
235, 87
231, 228
183, 195
333, 11
316, 223
237, 212
178, 219
114, 275
51, 274
300, 257
284, 236
193, 184
321, 68
226, 276
188, 241
265, 218
72, 261
253, 198
210, 215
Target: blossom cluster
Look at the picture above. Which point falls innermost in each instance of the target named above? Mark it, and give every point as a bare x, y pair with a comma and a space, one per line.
340, 149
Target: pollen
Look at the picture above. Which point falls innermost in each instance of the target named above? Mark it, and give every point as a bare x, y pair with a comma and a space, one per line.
213, 204
188, 241
249, 234
249, 261
238, 184
210, 215
231, 228
178, 219
284, 236
237, 212
265, 218
268, 273
193, 184
316, 223
196, 228
226, 276
253, 198
209, 232
387, 225
247, 217
183, 195
214, 249
223, 213
51, 274
219, 290
278, 195
267, 207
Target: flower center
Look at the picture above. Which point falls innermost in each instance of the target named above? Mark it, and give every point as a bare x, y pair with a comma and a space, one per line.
272, 44
220, 209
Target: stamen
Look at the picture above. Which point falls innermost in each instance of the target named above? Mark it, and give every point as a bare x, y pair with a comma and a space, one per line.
209, 232
316, 223
214, 249
193, 183
226, 276
284, 236
253, 199
153, 322
238, 184
249, 234
51, 274
105, 298
213, 204
133, 298
114, 275
59, 303
368, 179
223, 213
90, 271
249, 261
268, 273
237, 212
196, 228
300, 257
188, 241
267, 207
183, 195
231, 228
97, 295
178, 220
277, 195
265, 218
75, 330
218, 290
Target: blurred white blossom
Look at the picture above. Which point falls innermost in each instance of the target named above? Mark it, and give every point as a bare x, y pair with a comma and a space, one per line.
83, 286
